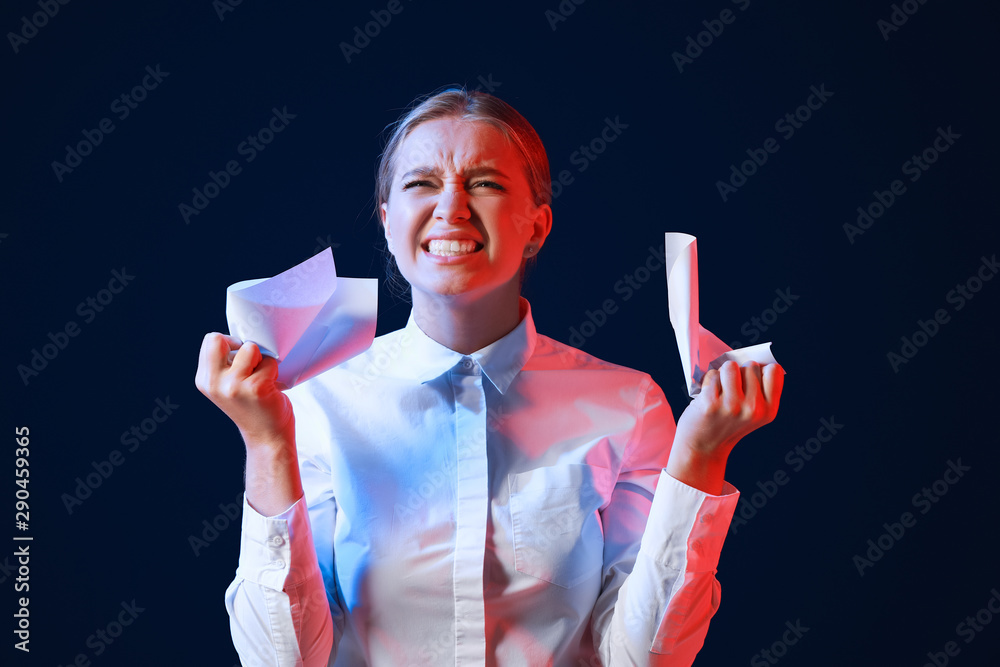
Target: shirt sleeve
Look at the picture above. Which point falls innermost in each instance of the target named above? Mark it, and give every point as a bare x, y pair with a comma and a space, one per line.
282, 609
662, 545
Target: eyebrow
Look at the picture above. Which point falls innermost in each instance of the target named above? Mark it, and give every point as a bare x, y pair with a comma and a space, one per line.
469, 173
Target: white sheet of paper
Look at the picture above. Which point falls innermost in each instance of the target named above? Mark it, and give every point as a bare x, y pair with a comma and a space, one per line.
700, 349
307, 317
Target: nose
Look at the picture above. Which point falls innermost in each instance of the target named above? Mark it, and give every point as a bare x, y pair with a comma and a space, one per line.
452, 205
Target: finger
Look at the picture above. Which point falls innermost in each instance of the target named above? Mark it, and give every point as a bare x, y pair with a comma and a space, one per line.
710, 385
261, 382
246, 360
268, 368
214, 348
732, 383
774, 381
233, 342
234, 346
751, 375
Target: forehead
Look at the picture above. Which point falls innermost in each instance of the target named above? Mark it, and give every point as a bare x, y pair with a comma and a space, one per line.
454, 145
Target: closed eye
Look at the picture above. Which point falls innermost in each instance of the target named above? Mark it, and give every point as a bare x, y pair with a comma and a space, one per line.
416, 184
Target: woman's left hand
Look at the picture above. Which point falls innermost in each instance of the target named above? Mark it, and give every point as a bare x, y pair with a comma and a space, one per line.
733, 401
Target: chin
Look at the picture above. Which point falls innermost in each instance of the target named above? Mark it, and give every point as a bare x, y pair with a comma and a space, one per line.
454, 289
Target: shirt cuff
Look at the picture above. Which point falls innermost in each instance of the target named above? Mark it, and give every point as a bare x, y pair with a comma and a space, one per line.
276, 551
687, 527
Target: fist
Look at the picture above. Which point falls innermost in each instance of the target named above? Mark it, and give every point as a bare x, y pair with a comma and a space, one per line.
243, 383
733, 401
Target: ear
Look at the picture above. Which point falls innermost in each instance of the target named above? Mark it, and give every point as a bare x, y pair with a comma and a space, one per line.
383, 212
541, 224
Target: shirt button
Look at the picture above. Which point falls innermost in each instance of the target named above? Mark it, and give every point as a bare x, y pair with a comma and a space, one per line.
467, 363
279, 564
708, 517
276, 541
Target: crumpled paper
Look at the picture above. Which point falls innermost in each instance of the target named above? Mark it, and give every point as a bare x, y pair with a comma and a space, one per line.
700, 349
307, 317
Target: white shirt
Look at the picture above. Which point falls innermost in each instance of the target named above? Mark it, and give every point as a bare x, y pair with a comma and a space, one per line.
482, 509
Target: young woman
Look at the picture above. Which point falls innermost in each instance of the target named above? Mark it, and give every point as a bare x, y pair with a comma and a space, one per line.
468, 491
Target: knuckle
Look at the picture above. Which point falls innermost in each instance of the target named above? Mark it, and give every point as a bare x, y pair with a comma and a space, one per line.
212, 339
229, 391
254, 387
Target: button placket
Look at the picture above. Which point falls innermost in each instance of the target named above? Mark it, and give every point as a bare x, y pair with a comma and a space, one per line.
471, 516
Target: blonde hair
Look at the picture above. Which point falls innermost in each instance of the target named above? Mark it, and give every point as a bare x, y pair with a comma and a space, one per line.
471, 105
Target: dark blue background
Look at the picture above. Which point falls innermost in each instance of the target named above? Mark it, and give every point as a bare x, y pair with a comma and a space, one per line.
312, 187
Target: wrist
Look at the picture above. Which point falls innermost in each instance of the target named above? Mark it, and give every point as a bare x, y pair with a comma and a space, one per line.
268, 445
273, 482
271, 442
705, 471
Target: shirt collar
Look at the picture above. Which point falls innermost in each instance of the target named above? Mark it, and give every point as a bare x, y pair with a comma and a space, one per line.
500, 361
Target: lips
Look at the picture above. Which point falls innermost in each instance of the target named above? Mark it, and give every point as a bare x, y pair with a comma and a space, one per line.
452, 247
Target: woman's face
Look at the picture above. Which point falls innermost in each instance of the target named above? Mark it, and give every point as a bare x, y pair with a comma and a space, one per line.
460, 218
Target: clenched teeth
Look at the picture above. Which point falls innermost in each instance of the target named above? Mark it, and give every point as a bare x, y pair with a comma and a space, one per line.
445, 248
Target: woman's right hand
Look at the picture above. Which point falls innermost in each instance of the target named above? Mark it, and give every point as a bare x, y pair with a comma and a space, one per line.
243, 383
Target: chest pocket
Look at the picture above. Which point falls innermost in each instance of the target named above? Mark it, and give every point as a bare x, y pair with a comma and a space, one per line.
558, 535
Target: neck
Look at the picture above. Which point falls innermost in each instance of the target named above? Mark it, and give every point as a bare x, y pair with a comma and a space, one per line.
465, 324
